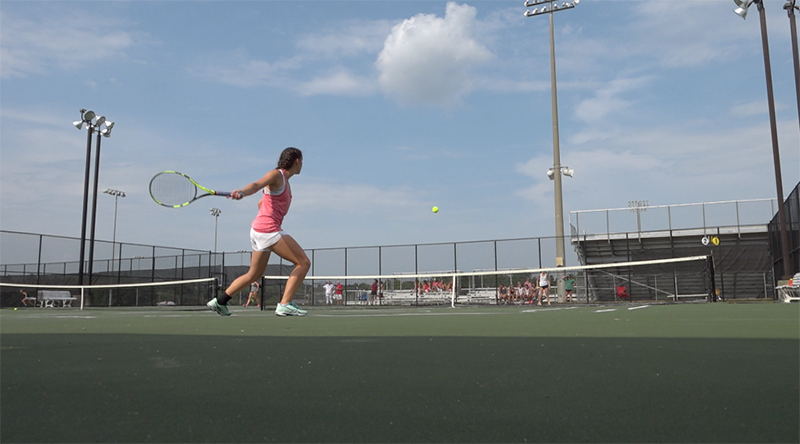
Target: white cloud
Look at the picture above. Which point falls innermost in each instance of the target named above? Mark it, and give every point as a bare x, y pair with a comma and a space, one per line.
338, 82
608, 100
427, 59
756, 108
32, 47
352, 40
315, 51
678, 37
238, 69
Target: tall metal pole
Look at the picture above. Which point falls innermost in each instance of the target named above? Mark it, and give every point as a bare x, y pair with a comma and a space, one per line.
790, 7
117, 194
559, 204
113, 244
114, 235
94, 206
549, 7
215, 212
85, 205
776, 154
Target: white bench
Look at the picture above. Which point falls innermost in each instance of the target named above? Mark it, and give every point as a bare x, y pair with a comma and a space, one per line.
790, 293
55, 298
407, 297
482, 296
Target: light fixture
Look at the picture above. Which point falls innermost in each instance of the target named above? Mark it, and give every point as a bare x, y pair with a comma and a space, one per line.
565, 170
88, 116
741, 11
106, 132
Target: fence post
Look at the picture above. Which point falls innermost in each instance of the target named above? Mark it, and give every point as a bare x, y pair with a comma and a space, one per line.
455, 256
416, 271
313, 302
39, 260
539, 239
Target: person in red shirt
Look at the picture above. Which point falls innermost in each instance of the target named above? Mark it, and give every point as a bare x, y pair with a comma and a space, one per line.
338, 295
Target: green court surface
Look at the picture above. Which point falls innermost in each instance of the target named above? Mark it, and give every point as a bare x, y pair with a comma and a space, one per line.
617, 373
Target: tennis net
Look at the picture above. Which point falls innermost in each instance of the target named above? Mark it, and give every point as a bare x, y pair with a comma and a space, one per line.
192, 292
685, 278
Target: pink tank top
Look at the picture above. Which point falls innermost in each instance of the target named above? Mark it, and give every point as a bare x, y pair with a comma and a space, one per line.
274, 206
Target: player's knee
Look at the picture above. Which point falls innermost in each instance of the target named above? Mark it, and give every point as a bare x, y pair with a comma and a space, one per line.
304, 263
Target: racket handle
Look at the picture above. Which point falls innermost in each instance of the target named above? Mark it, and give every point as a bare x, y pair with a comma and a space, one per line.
223, 193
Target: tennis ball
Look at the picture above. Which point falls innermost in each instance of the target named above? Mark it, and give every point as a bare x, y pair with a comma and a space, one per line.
435, 209
15, 308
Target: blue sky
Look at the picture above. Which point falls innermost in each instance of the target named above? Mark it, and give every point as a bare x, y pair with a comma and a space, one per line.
397, 105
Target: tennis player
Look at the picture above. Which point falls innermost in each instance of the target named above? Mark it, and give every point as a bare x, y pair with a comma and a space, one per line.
267, 236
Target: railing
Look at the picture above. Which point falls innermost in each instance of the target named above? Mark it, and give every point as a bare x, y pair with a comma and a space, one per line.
737, 216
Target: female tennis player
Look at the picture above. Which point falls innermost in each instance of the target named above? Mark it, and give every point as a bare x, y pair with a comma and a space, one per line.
266, 235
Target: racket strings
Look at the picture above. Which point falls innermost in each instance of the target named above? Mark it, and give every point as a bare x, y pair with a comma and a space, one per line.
172, 189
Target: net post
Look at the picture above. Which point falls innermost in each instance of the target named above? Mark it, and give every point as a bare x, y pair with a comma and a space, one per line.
453, 293
712, 296
262, 281
82, 298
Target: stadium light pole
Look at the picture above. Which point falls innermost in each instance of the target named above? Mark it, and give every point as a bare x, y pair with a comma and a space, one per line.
215, 212
549, 7
101, 126
741, 11
790, 6
117, 194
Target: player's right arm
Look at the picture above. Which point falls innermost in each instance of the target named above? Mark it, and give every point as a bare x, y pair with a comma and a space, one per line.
272, 179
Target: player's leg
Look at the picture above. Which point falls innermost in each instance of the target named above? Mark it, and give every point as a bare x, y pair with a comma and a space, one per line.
258, 263
290, 250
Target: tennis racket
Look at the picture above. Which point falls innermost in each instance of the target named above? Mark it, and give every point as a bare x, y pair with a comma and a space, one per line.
174, 190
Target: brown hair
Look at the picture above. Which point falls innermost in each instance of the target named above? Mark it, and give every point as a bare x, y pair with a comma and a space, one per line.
288, 156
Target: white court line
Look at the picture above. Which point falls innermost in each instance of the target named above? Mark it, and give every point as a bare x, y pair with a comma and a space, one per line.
534, 310
606, 310
59, 317
388, 315
636, 308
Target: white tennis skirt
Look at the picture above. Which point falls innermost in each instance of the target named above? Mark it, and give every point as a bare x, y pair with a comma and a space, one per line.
264, 241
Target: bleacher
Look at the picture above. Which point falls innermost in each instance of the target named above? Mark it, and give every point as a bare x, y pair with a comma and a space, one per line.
742, 262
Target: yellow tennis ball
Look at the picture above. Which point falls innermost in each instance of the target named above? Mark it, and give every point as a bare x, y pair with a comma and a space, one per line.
435, 209
15, 308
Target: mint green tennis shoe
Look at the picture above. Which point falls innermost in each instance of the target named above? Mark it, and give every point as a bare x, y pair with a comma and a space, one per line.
289, 310
222, 310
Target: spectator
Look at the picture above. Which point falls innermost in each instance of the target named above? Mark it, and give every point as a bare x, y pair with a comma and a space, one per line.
373, 294
338, 296
569, 286
27, 301
253, 296
544, 287
328, 292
